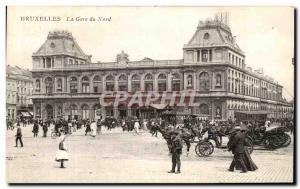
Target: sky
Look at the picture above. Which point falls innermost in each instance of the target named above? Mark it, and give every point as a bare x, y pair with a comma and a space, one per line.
265, 34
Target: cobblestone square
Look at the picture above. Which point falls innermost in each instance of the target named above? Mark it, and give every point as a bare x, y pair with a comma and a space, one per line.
117, 157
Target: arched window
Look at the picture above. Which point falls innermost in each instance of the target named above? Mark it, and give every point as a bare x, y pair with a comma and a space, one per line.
148, 82
135, 83
37, 85
204, 109
190, 82
59, 111
204, 81
218, 111
49, 85
175, 82
49, 111
97, 84
162, 82
218, 80
110, 83
59, 85
73, 85
97, 113
85, 84
73, 110
38, 110
85, 112
123, 82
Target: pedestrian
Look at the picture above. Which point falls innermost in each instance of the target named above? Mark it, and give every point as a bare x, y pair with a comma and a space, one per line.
45, 130
87, 128
137, 126
236, 144
93, 129
62, 154
19, 136
99, 126
35, 129
176, 150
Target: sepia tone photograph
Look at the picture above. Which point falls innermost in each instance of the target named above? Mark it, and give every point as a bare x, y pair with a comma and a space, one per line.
150, 95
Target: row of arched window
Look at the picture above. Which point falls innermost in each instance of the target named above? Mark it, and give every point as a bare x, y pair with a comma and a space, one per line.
109, 83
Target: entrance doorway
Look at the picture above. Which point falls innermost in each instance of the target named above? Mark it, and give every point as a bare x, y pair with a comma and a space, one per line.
49, 110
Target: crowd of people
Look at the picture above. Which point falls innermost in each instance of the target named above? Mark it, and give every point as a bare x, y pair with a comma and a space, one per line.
236, 131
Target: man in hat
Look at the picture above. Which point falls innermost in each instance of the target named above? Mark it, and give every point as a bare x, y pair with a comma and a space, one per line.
19, 136
176, 150
236, 145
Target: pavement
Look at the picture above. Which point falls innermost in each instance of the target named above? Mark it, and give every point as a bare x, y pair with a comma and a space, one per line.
124, 157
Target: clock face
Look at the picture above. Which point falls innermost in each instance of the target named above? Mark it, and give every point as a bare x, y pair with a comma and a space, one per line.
52, 45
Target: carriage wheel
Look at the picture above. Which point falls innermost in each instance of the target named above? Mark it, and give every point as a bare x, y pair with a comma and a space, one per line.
287, 141
249, 147
269, 142
204, 149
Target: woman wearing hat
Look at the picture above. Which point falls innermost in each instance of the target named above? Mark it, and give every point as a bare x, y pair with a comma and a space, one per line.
62, 154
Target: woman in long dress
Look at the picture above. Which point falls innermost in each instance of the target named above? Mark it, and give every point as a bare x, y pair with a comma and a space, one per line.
137, 126
61, 153
94, 129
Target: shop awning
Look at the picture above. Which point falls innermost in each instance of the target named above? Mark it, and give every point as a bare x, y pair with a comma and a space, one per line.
25, 114
31, 113
158, 106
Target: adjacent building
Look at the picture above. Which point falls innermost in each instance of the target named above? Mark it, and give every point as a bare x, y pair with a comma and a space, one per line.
67, 84
18, 92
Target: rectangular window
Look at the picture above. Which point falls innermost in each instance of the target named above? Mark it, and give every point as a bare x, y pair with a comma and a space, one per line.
148, 86
210, 55
95, 89
204, 55
135, 86
70, 61
198, 55
109, 86
162, 87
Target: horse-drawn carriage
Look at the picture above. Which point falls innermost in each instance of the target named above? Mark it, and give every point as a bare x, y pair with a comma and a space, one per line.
272, 137
207, 136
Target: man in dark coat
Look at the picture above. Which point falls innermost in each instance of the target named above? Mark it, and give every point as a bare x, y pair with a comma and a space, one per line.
19, 136
88, 128
176, 150
45, 129
236, 144
35, 129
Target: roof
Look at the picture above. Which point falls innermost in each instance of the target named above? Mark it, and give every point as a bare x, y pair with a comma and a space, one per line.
18, 72
213, 33
60, 42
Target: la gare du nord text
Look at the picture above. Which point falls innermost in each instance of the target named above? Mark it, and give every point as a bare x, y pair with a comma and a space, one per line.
58, 18
182, 99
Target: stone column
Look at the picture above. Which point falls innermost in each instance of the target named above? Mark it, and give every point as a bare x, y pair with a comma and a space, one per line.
169, 82
195, 81
142, 84
116, 112
116, 87
129, 89
184, 81
155, 83
195, 56
129, 112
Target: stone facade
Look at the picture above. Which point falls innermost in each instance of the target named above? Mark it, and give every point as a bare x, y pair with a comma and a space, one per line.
67, 84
